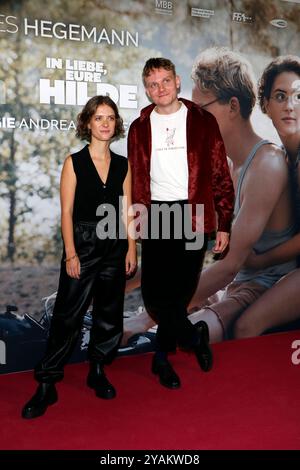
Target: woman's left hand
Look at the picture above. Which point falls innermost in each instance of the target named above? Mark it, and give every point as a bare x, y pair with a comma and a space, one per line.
131, 261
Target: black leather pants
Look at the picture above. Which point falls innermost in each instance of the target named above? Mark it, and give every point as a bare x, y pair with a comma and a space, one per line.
102, 279
170, 275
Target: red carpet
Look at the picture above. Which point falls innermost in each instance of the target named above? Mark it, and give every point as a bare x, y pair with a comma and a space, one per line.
250, 400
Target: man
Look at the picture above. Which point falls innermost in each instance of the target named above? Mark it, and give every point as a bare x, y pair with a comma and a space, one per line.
224, 86
177, 157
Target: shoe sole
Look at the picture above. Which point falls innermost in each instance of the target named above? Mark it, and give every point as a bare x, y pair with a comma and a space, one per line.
105, 397
171, 387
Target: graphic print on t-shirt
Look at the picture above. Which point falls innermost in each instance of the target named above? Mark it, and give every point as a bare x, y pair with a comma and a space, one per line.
170, 136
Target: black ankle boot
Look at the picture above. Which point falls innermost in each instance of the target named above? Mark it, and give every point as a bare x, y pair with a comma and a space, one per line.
167, 376
202, 349
97, 380
44, 396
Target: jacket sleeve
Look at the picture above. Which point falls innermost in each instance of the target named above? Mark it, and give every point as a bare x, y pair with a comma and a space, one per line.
132, 156
222, 186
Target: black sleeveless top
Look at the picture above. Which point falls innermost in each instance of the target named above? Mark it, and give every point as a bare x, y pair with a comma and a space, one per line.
91, 191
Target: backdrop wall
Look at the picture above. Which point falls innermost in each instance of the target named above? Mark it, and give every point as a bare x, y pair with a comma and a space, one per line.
53, 58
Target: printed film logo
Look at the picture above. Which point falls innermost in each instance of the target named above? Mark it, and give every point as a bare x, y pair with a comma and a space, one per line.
164, 7
202, 13
239, 17
279, 23
80, 77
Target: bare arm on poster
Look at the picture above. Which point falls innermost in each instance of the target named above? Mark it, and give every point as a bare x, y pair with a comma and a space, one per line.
281, 254
259, 198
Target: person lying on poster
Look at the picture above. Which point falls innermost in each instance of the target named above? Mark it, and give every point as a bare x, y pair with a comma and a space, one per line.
279, 97
93, 266
177, 159
224, 85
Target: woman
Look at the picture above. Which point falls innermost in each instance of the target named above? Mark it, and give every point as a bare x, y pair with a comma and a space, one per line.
95, 260
279, 95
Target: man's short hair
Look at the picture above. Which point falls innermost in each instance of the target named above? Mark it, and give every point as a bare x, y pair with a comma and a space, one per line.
283, 63
157, 63
227, 75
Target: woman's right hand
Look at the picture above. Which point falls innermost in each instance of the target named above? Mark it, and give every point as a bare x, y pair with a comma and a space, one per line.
73, 267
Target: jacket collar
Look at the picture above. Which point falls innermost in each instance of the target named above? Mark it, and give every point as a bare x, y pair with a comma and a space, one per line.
145, 112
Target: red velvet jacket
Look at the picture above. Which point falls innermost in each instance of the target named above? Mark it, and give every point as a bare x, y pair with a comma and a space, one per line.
209, 180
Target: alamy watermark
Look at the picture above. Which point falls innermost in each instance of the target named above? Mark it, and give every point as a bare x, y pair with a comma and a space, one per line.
295, 358
2, 352
168, 221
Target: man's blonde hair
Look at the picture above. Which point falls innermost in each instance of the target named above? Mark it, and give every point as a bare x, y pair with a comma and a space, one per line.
227, 75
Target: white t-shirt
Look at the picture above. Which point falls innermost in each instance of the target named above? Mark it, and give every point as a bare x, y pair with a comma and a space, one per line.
169, 167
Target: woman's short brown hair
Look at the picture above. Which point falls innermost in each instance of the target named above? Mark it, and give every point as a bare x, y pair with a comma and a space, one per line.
84, 117
283, 63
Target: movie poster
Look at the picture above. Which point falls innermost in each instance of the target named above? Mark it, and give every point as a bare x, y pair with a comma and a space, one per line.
54, 57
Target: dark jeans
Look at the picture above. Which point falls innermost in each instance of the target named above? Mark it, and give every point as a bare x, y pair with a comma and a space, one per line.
102, 279
170, 274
